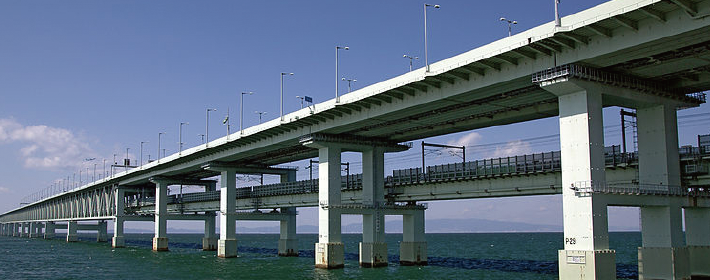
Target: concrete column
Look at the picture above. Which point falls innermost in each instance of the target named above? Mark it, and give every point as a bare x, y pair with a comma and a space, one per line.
34, 229
118, 240
15, 229
72, 227
227, 245
209, 242
697, 238
412, 250
586, 253
102, 234
288, 242
330, 251
373, 249
160, 241
663, 254
49, 230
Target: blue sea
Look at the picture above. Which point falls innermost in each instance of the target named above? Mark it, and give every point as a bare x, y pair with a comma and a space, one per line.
451, 256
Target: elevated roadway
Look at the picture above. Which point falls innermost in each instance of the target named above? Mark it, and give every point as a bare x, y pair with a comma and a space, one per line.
648, 55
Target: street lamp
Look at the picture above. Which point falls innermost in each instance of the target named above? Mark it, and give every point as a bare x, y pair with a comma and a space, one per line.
282, 93
558, 23
207, 126
260, 114
301, 98
510, 24
410, 60
349, 81
180, 137
337, 80
142, 142
159, 134
426, 50
241, 105
126, 162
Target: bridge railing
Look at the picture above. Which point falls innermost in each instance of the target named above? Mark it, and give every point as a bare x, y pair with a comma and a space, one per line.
589, 187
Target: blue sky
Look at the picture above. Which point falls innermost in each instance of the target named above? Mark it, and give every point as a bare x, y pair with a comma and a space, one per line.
86, 79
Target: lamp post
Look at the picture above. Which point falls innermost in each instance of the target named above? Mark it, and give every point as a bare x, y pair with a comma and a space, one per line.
558, 23
241, 105
159, 134
337, 80
260, 114
142, 142
301, 98
127, 162
282, 93
104, 172
180, 137
349, 81
207, 126
410, 60
426, 46
510, 24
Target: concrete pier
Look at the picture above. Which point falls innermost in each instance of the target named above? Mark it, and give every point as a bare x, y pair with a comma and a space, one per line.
160, 241
227, 244
49, 230
288, 242
330, 251
118, 240
72, 227
413, 249
663, 254
586, 253
102, 232
697, 238
373, 249
209, 241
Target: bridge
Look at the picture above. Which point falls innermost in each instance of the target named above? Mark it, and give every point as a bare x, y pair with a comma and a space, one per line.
649, 55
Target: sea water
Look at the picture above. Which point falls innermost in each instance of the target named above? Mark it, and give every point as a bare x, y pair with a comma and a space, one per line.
451, 256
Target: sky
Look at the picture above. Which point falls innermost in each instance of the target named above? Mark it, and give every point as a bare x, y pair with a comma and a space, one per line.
88, 79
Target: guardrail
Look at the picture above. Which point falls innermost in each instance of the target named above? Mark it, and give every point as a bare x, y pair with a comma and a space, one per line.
589, 187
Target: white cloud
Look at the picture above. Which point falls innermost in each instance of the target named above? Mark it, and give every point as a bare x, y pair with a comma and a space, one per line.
45, 146
4, 190
514, 148
467, 140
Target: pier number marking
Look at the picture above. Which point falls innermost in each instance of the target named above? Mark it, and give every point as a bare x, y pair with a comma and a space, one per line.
571, 240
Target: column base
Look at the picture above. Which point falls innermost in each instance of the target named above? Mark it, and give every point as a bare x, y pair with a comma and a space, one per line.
227, 248
587, 264
72, 238
699, 260
48, 235
34, 235
160, 244
288, 247
118, 242
330, 255
209, 244
373, 254
412, 253
664, 263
